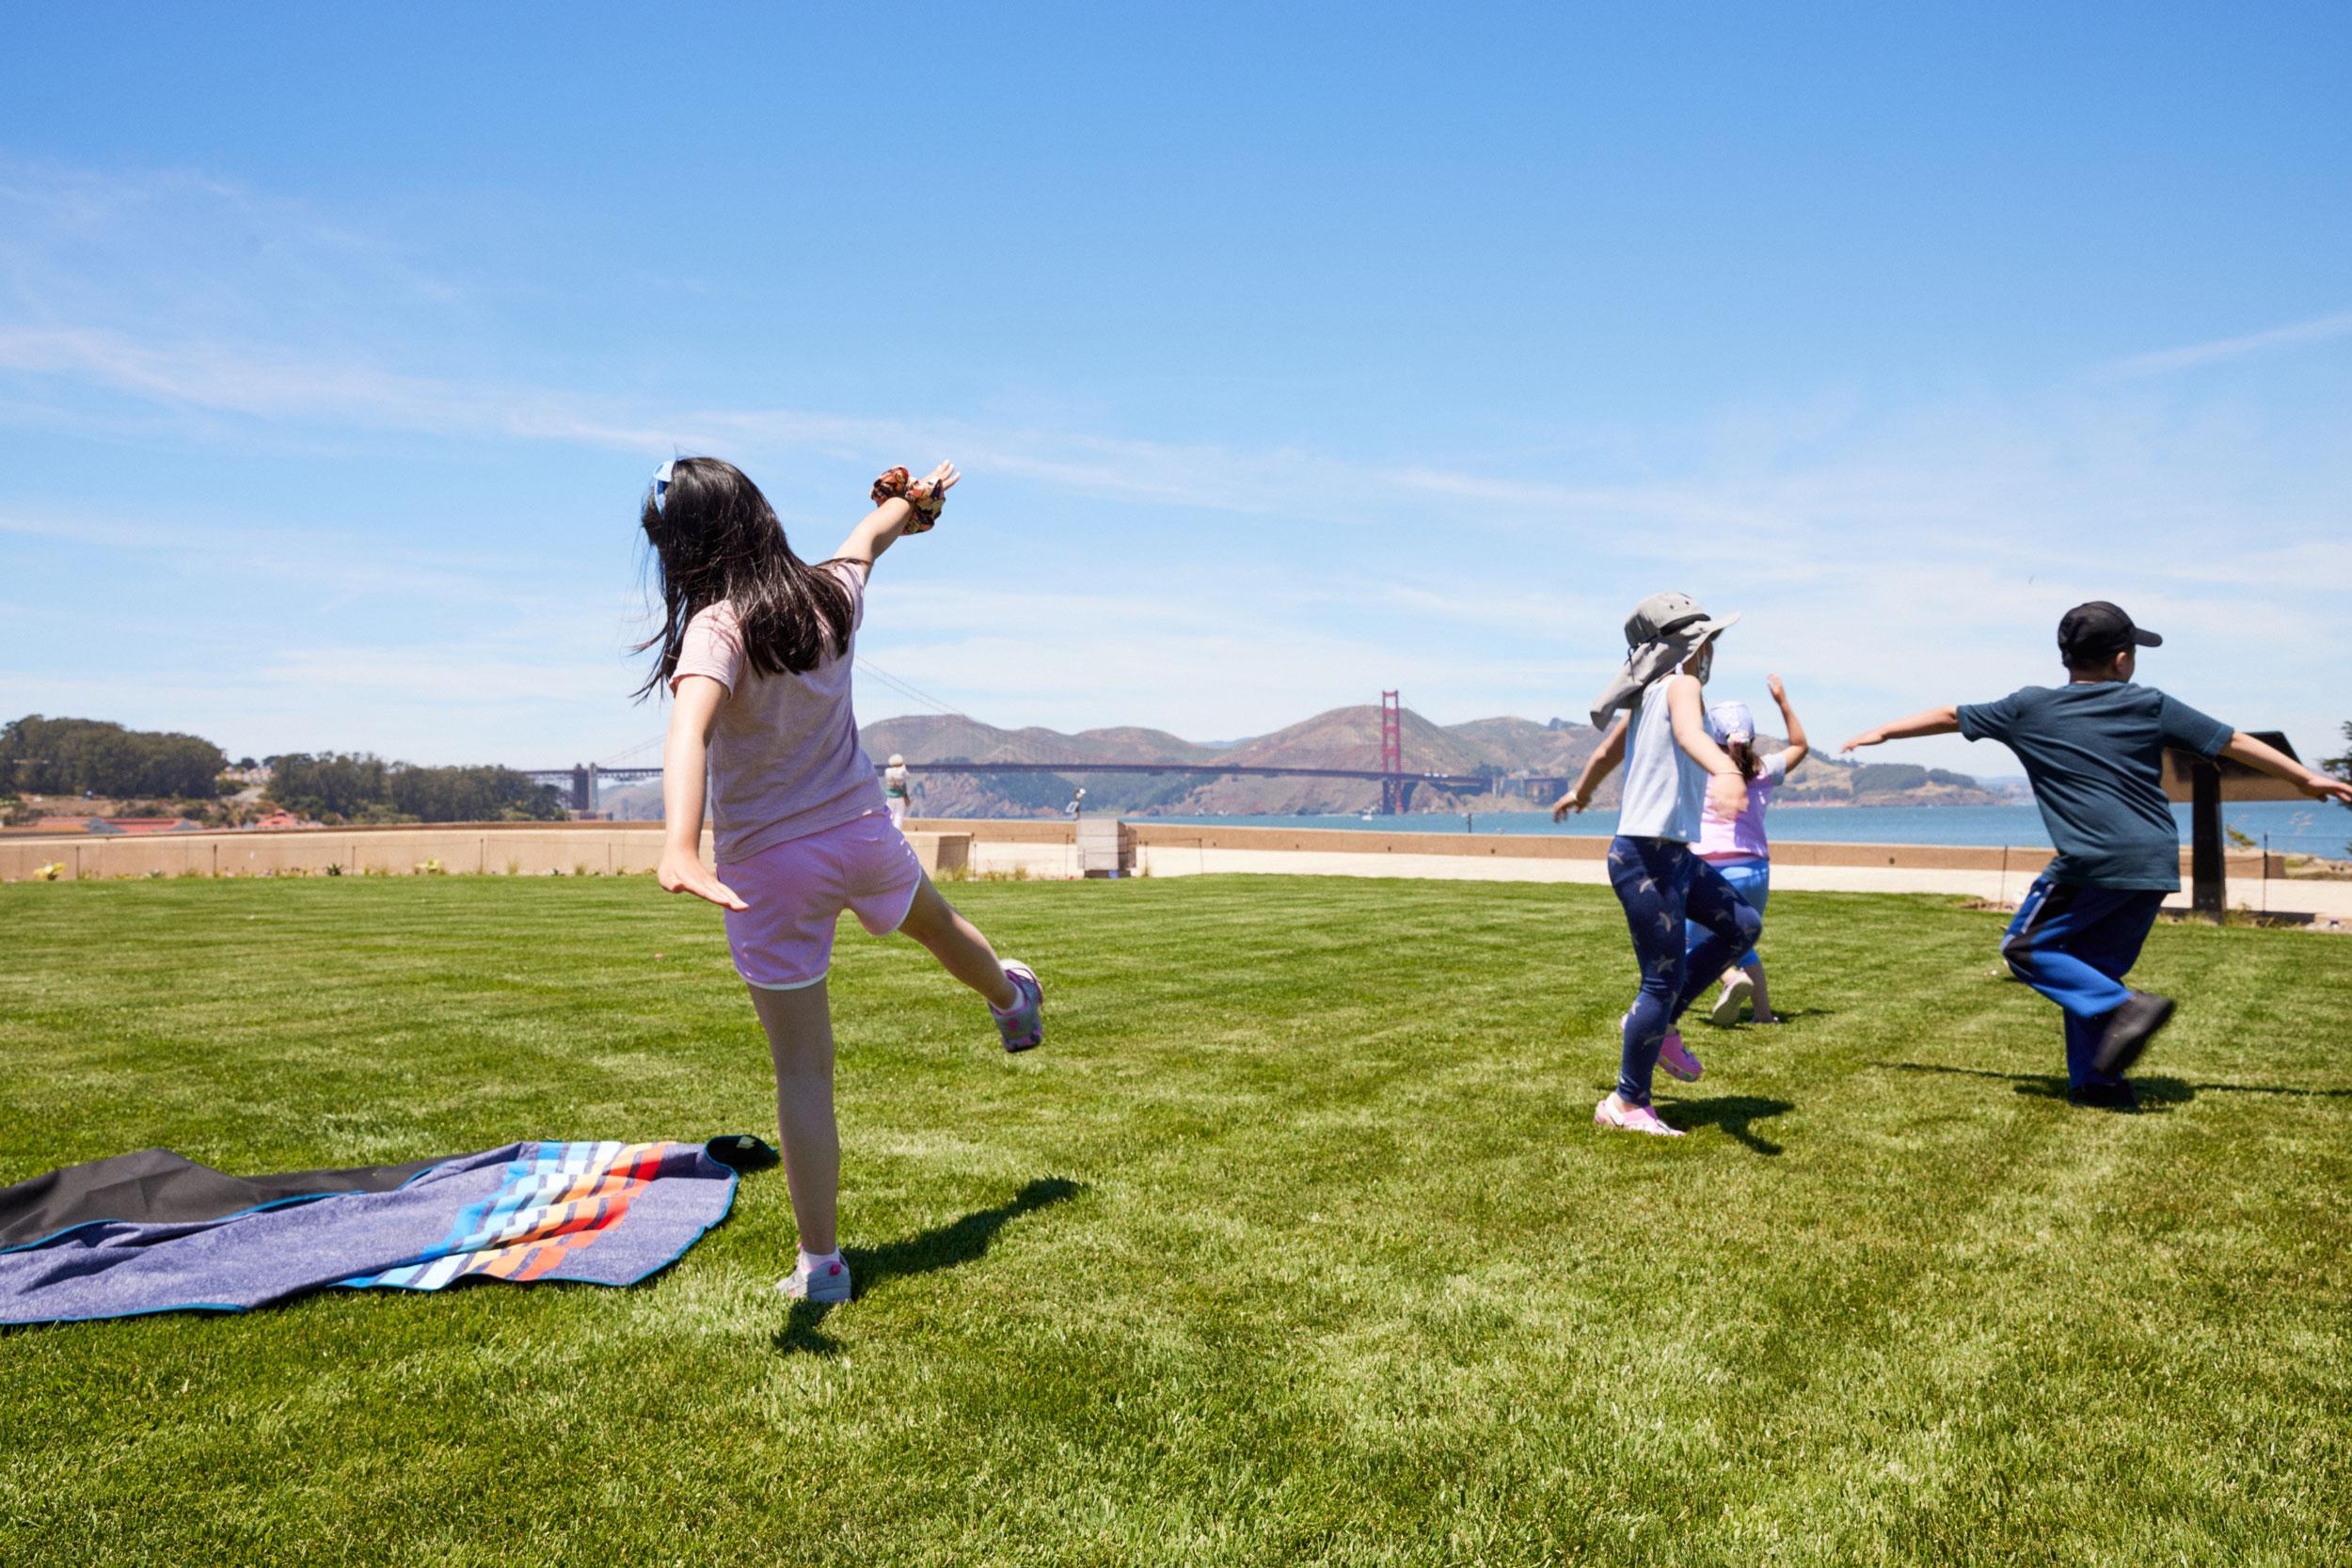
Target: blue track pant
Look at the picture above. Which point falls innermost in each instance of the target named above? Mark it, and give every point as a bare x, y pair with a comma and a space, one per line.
1661, 885
2073, 943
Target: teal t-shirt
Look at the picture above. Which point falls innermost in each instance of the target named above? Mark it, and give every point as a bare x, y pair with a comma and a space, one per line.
2095, 757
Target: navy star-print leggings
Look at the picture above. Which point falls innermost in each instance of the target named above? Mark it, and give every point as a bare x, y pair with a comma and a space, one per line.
1661, 885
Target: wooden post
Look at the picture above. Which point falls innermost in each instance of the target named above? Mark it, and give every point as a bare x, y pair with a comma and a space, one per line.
2209, 889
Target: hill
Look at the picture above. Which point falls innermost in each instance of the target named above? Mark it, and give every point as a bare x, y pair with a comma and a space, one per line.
1505, 748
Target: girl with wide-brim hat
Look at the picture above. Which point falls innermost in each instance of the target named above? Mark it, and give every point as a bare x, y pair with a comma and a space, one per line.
1674, 771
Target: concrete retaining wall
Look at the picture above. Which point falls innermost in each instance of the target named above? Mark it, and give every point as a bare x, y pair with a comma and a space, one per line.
556, 849
1540, 846
623, 848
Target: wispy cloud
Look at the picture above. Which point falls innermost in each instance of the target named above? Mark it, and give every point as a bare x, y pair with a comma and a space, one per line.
318, 559
1888, 549
2318, 329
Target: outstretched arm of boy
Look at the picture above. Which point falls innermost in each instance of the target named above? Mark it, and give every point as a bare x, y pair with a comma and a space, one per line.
1798, 747
1597, 767
685, 764
884, 525
1934, 720
1727, 791
2257, 754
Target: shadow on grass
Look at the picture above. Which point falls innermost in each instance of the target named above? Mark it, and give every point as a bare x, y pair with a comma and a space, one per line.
942, 1246
1732, 1112
2153, 1091
1781, 1018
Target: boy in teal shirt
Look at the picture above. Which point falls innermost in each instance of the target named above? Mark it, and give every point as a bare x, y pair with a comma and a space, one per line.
2093, 750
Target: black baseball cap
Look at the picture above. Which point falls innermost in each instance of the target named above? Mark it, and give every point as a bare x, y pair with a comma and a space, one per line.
2100, 630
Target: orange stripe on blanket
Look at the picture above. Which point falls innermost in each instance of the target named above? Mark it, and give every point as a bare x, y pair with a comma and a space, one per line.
632, 1163
583, 1219
552, 1253
501, 1263
597, 1199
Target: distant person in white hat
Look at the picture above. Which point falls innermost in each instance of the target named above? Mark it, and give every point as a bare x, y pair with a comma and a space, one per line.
895, 789
1737, 846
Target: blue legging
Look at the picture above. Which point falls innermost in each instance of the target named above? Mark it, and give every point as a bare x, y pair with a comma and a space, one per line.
1752, 880
1661, 885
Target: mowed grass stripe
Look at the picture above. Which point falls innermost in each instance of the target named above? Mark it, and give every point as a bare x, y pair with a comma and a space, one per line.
1294, 1244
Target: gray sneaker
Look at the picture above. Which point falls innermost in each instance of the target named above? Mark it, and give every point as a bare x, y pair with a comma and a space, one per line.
1736, 992
829, 1282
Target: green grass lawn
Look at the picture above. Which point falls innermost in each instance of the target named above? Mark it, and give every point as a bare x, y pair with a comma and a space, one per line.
1294, 1244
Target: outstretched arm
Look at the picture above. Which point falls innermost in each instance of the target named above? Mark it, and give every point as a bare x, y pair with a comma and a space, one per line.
1597, 767
1798, 747
1934, 720
685, 762
1727, 791
2257, 754
884, 525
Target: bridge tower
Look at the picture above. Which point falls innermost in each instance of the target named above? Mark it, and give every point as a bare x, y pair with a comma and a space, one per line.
1392, 754
583, 787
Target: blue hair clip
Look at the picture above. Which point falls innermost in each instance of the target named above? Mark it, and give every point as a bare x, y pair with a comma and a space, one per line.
661, 482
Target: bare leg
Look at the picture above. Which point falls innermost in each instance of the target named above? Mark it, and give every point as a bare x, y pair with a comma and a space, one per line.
799, 1042
959, 946
1761, 999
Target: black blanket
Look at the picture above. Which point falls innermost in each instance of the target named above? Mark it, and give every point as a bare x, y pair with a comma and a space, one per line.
154, 1186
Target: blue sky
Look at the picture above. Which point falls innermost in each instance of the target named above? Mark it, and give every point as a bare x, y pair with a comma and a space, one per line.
1289, 356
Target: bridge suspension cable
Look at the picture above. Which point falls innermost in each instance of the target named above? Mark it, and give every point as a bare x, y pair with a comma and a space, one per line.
619, 758
1029, 751
907, 689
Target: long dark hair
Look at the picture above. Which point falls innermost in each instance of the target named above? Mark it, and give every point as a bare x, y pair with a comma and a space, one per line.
1742, 755
714, 537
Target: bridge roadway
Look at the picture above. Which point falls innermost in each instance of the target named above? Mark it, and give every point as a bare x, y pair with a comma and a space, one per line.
582, 781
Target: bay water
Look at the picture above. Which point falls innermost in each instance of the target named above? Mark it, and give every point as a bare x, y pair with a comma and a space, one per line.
2288, 827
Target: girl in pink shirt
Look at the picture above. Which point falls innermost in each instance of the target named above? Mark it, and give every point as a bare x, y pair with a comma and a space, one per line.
1735, 845
756, 650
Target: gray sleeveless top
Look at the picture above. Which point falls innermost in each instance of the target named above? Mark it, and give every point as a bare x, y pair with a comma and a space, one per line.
1665, 792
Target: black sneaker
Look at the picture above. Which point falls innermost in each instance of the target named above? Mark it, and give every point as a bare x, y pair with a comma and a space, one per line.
2130, 1027
2104, 1097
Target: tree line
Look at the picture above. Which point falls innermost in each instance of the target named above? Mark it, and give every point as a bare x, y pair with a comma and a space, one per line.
91, 756
356, 787
1891, 778
74, 756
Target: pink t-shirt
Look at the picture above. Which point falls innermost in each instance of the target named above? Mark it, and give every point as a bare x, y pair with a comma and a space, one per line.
1742, 838
785, 758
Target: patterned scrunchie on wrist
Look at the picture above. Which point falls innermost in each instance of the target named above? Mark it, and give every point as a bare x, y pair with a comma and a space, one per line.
928, 502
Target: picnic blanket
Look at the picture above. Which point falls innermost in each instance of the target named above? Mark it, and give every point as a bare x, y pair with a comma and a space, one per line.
154, 1233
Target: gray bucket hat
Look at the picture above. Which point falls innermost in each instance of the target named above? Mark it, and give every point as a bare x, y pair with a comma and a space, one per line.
1663, 630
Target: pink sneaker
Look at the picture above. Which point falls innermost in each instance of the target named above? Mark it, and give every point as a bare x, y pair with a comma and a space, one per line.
1023, 1026
1677, 1059
1632, 1119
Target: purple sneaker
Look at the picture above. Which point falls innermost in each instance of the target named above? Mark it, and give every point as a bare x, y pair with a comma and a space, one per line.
1677, 1059
1023, 1024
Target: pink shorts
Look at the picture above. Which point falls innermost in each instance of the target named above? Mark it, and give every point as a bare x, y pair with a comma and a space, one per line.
798, 889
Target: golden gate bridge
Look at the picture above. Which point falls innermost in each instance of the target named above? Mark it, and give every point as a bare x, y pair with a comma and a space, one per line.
583, 780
